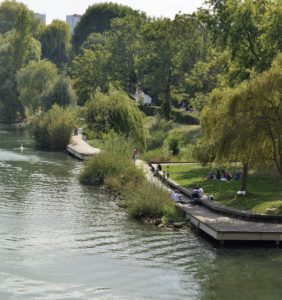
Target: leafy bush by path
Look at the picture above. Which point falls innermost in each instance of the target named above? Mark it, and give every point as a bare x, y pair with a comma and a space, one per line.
53, 129
116, 111
146, 200
105, 166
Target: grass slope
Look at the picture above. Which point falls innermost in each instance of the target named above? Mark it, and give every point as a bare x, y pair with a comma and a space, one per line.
264, 191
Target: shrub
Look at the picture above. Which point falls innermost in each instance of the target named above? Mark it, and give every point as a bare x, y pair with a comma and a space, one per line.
103, 167
53, 129
146, 200
173, 145
116, 111
157, 155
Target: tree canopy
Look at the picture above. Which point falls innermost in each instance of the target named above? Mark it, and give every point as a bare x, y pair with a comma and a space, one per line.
98, 18
55, 42
116, 111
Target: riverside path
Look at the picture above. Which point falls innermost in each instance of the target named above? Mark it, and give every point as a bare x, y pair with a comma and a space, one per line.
219, 226
80, 148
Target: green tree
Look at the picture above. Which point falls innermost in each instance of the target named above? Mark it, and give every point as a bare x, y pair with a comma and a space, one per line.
116, 111
167, 52
155, 61
55, 42
60, 92
249, 30
34, 81
53, 129
9, 12
17, 48
98, 18
244, 123
90, 71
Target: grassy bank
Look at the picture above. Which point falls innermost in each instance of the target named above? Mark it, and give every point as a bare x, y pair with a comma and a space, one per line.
264, 190
114, 169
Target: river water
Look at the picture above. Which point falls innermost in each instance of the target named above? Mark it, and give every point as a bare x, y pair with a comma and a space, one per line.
61, 240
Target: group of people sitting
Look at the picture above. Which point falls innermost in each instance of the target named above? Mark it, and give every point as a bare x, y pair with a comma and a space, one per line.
223, 175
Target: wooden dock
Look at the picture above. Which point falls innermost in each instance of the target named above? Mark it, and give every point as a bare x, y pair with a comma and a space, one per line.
222, 226
80, 148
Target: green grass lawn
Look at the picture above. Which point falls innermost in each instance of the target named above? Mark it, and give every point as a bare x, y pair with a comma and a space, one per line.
264, 191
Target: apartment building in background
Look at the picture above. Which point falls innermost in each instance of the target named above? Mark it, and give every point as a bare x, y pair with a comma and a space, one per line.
72, 20
41, 18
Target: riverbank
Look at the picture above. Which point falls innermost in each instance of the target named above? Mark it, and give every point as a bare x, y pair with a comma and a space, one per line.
264, 189
114, 169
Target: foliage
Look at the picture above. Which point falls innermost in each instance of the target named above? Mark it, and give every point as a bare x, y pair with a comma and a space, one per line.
34, 81
60, 92
167, 51
113, 168
244, 123
98, 18
146, 200
157, 155
90, 71
9, 13
105, 165
116, 111
53, 129
17, 48
249, 30
55, 42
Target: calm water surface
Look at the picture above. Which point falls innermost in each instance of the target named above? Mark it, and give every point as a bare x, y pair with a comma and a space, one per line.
60, 240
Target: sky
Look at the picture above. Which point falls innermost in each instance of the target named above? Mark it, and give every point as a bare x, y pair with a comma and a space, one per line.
58, 9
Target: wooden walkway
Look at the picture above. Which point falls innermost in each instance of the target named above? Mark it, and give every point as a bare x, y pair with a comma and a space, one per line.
224, 227
80, 148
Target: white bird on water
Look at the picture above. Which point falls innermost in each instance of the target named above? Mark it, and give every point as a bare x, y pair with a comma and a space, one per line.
22, 148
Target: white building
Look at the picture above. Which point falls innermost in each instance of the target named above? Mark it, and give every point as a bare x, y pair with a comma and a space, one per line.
41, 18
72, 20
142, 98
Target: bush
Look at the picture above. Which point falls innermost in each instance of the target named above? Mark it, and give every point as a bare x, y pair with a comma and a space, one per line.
173, 145
53, 129
157, 155
103, 167
146, 200
116, 111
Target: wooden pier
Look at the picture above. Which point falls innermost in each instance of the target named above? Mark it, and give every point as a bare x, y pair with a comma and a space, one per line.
226, 224
80, 148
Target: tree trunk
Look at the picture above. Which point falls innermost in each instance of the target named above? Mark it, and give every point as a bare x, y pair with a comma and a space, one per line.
244, 177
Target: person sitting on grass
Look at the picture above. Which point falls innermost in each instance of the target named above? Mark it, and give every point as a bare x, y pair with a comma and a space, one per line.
237, 175
228, 175
218, 176
211, 175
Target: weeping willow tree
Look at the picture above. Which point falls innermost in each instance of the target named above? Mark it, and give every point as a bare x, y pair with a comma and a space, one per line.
244, 124
229, 131
116, 111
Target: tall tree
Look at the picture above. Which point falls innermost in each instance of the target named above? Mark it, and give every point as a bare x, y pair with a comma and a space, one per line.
9, 12
89, 72
245, 123
168, 50
98, 18
248, 29
34, 81
55, 42
17, 48
155, 61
